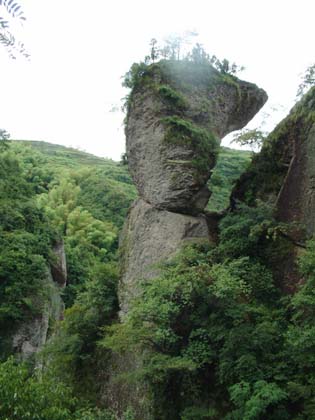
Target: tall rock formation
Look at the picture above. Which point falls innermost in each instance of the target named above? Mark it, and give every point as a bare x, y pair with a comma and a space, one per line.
283, 174
177, 114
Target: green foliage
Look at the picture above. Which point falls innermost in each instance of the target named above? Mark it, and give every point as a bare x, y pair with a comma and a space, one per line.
84, 197
216, 337
72, 352
230, 164
203, 142
105, 194
174, 99
48, 192
199, 413
255, 402
176, 48
265, 176
135, 75
25, 243
24, 397
244, 231
308, 81
251, 138
4, 137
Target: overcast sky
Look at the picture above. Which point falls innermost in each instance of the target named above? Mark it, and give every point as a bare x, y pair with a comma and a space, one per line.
80, 49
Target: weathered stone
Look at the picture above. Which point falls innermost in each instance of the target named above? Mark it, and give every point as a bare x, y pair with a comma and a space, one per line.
151, 236
283, 174
121, 394
172, 175
296, 200
171, 151
59, 264
31, 335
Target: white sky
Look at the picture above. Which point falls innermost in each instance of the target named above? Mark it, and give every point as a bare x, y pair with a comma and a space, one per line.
80, 49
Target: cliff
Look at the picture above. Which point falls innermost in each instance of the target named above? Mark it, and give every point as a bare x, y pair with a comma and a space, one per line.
177, 114
283, 174
216, 316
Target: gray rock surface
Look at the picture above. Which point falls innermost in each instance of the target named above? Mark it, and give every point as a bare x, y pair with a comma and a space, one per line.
31, 335
59, 265
150, 236
165, 173
170, 173
296, 200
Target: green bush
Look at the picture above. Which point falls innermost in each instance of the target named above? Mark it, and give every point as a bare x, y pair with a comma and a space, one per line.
218, 339
24, 397
174, 99
201, 141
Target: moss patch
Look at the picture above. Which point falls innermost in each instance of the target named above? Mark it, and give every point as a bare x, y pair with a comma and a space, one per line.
203, 143
172, 98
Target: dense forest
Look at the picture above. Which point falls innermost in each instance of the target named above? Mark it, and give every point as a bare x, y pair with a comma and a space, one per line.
176, 284
51, 193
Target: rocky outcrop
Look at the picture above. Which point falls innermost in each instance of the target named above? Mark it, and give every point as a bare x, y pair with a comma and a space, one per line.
177, 115
59, 264
178, 111
31, 335
296, 199
283, 174
174, 124
150, 236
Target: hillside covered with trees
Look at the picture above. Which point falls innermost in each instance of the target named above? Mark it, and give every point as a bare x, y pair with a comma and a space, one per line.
49, 193
177, 284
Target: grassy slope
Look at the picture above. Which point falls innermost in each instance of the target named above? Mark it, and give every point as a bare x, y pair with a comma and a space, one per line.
106, 186
231, 163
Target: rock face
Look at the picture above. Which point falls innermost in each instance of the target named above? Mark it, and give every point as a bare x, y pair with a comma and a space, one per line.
59, 265
173, 128
283, 174
31, 335
177, 114
149, 237
296, 199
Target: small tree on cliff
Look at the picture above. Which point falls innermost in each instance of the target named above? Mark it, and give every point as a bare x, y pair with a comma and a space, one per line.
307, 82
251, 138
154, 54
4, 139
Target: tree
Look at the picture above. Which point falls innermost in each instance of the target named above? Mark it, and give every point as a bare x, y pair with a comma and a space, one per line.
4, 139
4, 135
307, 82
175, 44
252, 138
154, 50
225, 67
198, 54
7, 38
